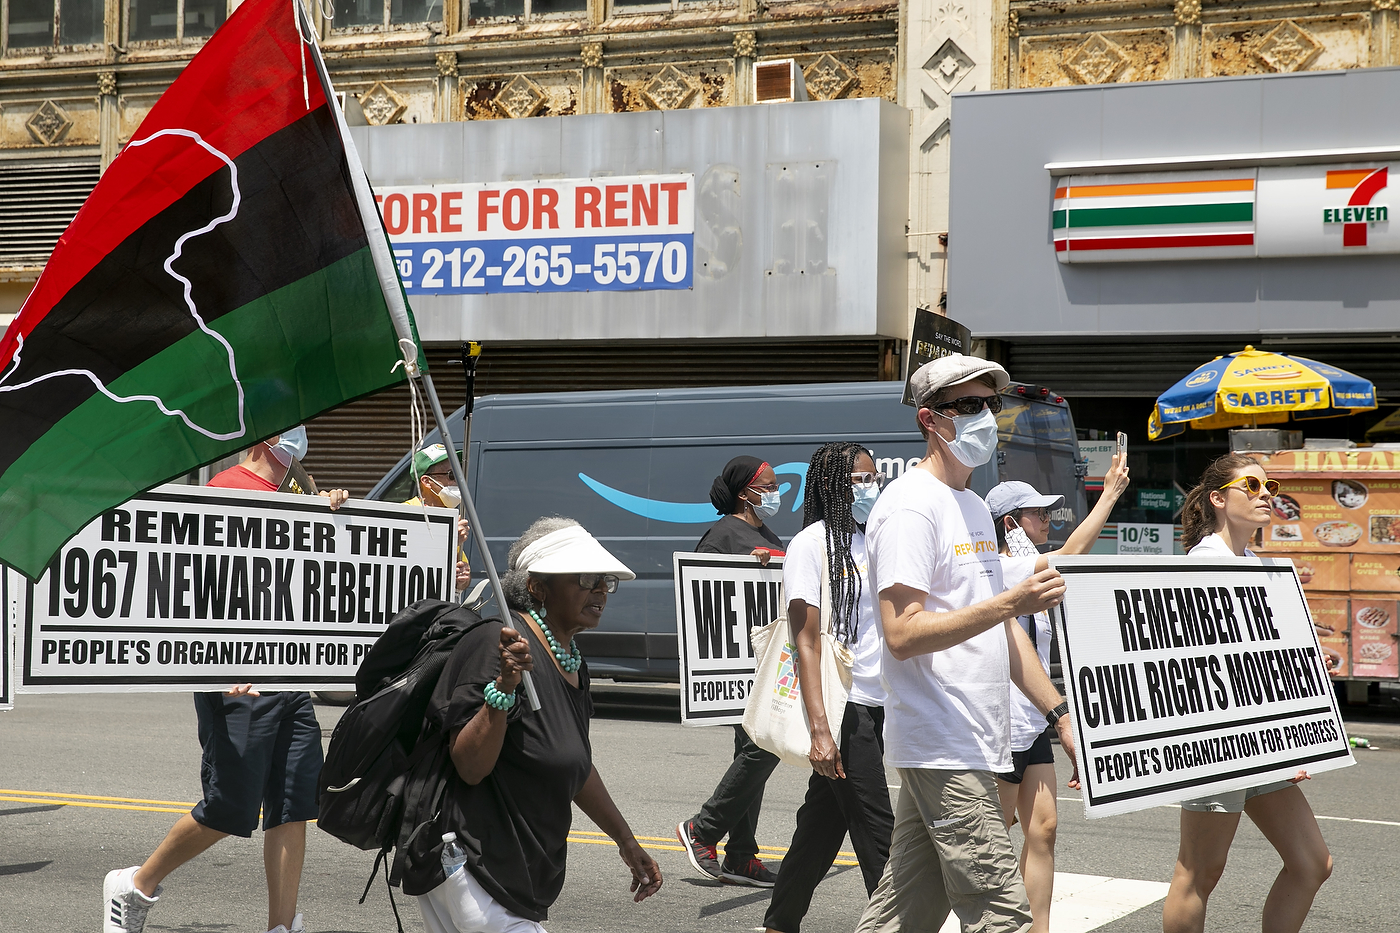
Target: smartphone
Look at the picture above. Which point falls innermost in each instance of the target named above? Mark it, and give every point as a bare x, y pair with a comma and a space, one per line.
1122, 446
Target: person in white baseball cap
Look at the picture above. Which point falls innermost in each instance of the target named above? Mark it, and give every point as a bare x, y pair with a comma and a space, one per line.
518, 773
948, 632
1023, 519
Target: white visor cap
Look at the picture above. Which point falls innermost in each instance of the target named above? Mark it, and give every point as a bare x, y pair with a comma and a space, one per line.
571, 550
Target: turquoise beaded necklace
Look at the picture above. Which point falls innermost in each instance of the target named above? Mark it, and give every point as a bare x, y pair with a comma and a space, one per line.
568, 660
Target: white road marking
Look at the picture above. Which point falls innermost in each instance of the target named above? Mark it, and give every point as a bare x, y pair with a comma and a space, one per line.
1336, 819
1087, 902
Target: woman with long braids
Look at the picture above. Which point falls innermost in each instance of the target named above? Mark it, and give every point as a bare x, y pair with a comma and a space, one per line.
1221, 514
847, 791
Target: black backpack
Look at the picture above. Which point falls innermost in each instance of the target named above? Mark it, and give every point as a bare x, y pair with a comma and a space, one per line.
385, 760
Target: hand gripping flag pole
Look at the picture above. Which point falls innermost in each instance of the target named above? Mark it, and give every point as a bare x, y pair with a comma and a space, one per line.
403, 323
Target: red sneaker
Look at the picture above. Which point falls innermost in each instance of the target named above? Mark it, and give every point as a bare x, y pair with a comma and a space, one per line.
703, 858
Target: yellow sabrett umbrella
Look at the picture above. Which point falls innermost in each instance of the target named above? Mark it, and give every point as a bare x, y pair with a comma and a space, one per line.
1258, 387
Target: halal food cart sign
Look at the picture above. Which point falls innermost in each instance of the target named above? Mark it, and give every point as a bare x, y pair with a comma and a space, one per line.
1303, 210
614, 233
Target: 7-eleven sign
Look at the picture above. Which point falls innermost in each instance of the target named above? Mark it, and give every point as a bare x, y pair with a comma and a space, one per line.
1360, 211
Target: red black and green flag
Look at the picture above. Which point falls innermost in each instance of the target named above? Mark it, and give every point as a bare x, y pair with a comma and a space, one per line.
228, 277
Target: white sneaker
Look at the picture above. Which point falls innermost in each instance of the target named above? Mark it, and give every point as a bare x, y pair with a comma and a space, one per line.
297, 926
123, 907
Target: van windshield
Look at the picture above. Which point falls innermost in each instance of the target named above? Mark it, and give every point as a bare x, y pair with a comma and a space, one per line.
1025, 418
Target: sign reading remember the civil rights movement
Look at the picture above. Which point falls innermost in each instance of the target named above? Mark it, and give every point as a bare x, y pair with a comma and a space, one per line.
615, 233
196, 588
720, 599
1191, 677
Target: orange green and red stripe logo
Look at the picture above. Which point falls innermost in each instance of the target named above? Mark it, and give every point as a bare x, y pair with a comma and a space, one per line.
1136, 219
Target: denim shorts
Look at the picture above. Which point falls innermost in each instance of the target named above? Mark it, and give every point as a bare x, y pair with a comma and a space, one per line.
261, 754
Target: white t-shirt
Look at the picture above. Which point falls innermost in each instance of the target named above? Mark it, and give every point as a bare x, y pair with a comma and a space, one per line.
802, 569
1212, 545
1027, 722
949, 709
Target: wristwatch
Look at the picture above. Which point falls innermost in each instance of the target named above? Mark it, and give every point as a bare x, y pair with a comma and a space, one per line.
1054, 715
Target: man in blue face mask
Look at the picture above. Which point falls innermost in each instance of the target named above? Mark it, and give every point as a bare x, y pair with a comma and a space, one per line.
951, 650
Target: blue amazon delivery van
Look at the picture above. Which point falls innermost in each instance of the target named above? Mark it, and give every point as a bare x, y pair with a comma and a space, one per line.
635, 467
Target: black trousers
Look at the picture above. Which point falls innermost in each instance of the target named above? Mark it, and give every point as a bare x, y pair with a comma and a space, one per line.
860, 805
733, 807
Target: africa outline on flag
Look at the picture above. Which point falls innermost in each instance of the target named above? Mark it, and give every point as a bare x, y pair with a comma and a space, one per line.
189, 303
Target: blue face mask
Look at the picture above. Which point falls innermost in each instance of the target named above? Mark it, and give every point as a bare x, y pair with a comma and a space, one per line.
290, 446
864, 495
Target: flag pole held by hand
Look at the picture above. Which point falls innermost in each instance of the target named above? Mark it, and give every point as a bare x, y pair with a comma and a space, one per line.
470, 508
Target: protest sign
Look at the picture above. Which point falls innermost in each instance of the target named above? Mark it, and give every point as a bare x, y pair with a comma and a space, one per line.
198, 588
720, 599
11, 586
934, 337
1191, 677
619, 233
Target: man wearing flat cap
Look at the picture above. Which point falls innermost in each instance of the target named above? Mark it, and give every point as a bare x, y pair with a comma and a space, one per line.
951, 652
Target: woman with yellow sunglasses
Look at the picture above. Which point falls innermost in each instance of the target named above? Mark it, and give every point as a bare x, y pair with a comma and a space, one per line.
1221, 514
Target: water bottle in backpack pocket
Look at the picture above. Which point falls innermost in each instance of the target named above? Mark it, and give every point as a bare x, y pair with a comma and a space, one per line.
453, 855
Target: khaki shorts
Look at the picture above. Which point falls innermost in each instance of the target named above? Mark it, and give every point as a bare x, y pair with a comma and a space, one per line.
950, 852
1232, 801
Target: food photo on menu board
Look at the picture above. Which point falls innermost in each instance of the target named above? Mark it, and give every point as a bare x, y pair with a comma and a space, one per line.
1337, 513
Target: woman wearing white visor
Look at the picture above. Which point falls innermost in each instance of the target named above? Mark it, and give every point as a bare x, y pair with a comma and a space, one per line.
518, 772
1022, 518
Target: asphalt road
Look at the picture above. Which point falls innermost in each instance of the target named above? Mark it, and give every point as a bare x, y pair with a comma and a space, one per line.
142, 748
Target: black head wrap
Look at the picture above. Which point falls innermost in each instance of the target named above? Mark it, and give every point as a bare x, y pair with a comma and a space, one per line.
732, 480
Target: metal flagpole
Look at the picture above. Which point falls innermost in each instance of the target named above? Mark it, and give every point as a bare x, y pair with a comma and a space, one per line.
525, 679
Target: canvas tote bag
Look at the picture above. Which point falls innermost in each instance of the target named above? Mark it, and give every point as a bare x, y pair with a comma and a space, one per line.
775, 716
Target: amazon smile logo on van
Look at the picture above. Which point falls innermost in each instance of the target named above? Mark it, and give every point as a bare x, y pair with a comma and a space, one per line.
688, 513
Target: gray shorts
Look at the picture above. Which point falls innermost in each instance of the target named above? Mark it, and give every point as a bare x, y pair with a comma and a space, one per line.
1232, 801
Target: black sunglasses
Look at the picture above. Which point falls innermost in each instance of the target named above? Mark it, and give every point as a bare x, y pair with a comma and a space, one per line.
591, 581
972, 404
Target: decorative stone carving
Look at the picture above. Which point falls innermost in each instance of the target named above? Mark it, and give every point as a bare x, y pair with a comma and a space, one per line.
593, 55
671, 89
953, 14
1013, 24
1097, 60
949, 65
381, 105
1381, 5
745, 44
49, 123
106, 83
1187, 12
447, 64
520, 98
827, 78
1288, 48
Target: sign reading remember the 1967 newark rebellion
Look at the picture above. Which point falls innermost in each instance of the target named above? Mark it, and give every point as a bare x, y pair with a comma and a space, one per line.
720, 599
1190, 677
198, 588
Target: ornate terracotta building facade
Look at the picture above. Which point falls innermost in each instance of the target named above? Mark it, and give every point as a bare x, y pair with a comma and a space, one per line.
78, 76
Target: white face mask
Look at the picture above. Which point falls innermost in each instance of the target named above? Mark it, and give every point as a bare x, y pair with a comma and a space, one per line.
291, 445
769, 504
976, 438
863, 501
451, 496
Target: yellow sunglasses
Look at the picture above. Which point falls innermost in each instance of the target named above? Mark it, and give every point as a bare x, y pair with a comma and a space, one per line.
1252, 485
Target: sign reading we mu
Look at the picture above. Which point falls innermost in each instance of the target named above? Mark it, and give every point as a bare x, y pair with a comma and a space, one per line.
720, 599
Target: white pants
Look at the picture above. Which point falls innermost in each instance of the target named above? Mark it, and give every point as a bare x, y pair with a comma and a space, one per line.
461, 905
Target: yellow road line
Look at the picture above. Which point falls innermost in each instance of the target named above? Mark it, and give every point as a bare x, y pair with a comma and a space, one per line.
44, 793
574, 837
583, 832
83, 803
